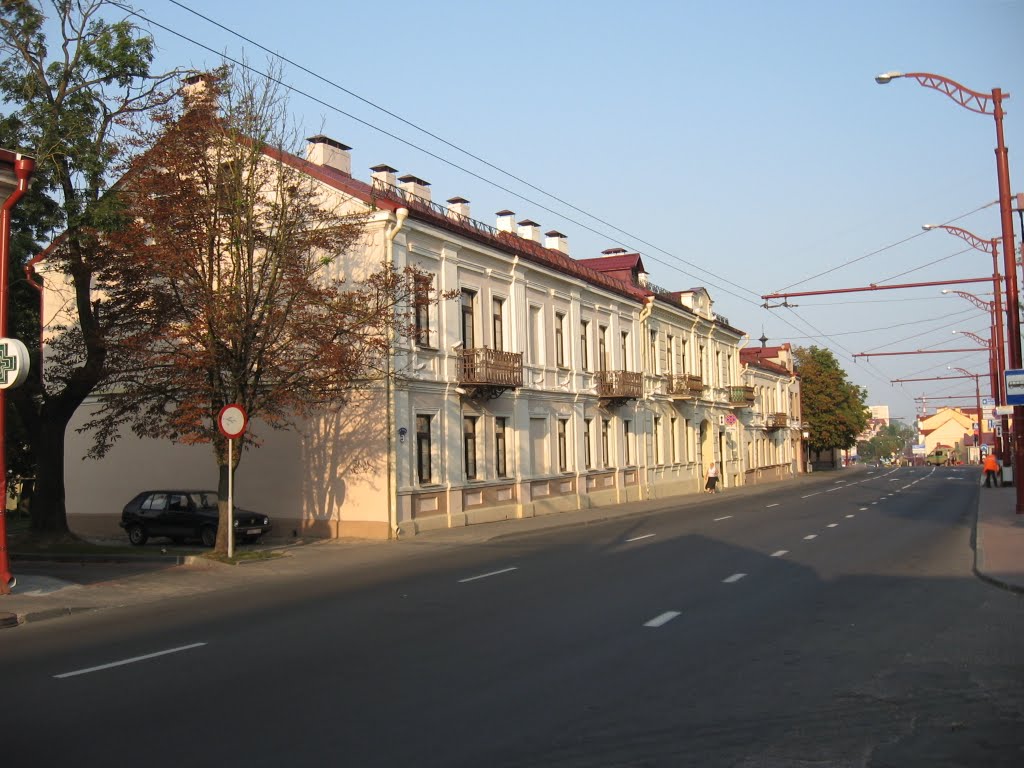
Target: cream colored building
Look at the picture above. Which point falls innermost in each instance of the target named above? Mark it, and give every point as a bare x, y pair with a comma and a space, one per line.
772, 426
549, 384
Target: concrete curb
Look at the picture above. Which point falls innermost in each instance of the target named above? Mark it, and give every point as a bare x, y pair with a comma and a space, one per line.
979, 558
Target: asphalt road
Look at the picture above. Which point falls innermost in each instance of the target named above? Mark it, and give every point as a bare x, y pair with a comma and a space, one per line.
831, 626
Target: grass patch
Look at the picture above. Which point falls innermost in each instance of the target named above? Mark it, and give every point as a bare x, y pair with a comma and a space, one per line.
244, 557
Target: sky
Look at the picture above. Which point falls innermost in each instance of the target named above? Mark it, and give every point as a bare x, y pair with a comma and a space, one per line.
740, 146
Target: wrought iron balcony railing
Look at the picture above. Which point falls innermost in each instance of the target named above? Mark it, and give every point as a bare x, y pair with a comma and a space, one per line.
776, 420
620, 385
490, 368
741, 395
685, 385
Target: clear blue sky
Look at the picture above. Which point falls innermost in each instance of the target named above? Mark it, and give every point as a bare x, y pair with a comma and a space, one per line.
747, 143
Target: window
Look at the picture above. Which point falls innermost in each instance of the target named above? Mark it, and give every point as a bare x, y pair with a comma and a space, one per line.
602, 348
670, 349
423, 449
500, 455
624, 342
605, 454
674, 438
421, 315
656, 454
563, 454
469, 445
652, 358
468, 300
539, 446
560, 339
584, 343
535, 336
625, 444
498, 323
588, 462
155, 503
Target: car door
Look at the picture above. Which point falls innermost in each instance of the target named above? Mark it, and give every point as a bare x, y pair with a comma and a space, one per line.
180, 518
153, 512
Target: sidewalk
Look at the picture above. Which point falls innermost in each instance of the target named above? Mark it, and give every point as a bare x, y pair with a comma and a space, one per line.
999, 539
47, 590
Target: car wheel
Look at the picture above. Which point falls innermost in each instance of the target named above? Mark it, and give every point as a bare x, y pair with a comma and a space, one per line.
137, 535
209, 536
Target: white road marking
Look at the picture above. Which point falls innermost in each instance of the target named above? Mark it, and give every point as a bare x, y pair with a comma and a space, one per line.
771, 505
722, 518
485, 575
873, 503
837, 488
811, 536
863, 509
850, 515
780, 553
665, 618
809, 495
132, 660
833, 525
645, 536
734, 578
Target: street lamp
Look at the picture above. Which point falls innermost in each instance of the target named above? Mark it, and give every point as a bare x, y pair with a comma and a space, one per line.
807, 448
992, 104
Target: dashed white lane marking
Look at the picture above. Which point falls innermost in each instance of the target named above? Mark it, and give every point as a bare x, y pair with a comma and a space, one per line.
771, 505
717, 519
486, 575
837, 488
833, 525
734, 578
645, 536
132, 660
809, 495
664, 618
780, 553
863, 509
850, 515
810, 536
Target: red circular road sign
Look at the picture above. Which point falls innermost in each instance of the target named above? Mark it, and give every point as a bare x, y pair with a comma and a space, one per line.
232, 421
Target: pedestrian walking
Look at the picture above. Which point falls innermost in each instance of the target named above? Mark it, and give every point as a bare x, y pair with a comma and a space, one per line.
991, 468
712, 482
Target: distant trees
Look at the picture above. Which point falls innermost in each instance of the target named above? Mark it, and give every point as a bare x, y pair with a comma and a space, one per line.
834, 408
891, 440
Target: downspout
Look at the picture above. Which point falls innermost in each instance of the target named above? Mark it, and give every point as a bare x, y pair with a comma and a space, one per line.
645, 313
739, 424
23, 167
400, 216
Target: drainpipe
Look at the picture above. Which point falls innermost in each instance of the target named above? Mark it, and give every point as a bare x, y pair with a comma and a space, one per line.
400, 216
23, 167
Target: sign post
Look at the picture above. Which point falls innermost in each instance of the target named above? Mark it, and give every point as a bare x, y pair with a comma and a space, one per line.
232, 421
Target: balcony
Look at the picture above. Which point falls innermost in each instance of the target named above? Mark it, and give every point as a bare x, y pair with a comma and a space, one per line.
685, 385
776, 421
616, 387
741, 396
486, 373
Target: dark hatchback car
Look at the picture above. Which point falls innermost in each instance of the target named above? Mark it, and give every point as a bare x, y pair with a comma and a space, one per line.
181, 515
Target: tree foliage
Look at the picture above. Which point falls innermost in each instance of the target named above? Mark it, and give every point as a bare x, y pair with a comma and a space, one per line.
225, 285
891, 440
834, 408
72, 105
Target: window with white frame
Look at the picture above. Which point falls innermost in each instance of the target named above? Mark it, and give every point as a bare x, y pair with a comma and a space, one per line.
588, 462
584, 345
422, 286
535, 336
560, 339
500, 446
627, 455
469, 446
563, 447
423, 449
605, 446
468, 310
656, 457
498, 323
674, 440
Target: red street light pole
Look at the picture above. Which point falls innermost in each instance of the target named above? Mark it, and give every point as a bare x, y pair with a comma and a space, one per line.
22, 167
992, 104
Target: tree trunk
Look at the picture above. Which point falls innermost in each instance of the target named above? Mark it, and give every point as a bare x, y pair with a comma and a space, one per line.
224, 527
49, 512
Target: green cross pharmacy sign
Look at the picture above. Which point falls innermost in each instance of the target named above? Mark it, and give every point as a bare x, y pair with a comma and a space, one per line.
13, 363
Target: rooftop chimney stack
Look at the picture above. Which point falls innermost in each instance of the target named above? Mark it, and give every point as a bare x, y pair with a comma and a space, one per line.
458, 208
613, 251
414, 185
384, 174
529, 230
196, 88
556, 241
506, 221
329, 153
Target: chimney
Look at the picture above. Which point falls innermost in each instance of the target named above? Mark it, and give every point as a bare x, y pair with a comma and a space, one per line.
197, 88
414, 185
506, 221
329, 153
556, 241
529, 230
384, 174
612, 251
458, 208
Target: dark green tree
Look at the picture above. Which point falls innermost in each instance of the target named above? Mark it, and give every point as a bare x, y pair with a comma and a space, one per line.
834, 408
890, 440
76, 104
